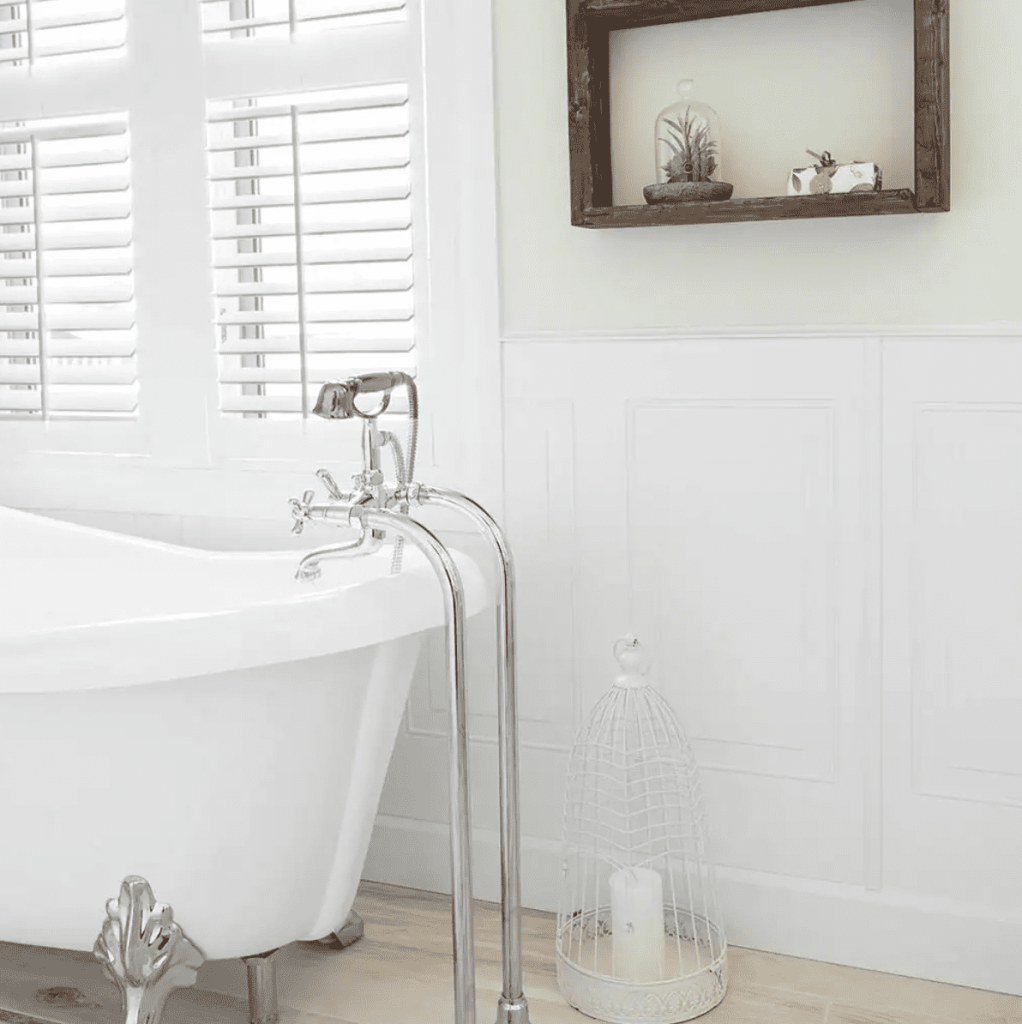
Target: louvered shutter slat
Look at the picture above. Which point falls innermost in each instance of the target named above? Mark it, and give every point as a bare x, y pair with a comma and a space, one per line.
17, 269
374, 314
63, 130
104, 375
63, 236
378, 160
352, 134
19, 242
19, 374
275, 17
16, 215
384, 285
96, 290
314, 344
96, 185
18, 295
74, 20
376, 253
100, 317
14, 54
67, 306
348, 8
71, 49
70, 348
256, 231
118, 207
353, 220
18, 322
115, 263
351, 195
364, 98
19, 400
15, 190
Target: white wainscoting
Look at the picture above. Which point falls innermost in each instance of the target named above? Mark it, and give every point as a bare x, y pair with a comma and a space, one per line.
818, 538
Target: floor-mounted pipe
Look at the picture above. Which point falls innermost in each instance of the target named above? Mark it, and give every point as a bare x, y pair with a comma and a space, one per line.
512, 1008
443, 564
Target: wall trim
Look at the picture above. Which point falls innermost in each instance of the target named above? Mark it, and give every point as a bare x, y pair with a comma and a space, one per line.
892, 931
997, 329
871, 669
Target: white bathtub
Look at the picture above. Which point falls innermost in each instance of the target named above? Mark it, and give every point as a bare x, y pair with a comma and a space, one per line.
198, 718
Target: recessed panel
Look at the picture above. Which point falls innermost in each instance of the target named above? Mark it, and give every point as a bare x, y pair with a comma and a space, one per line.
732, 533
967, 683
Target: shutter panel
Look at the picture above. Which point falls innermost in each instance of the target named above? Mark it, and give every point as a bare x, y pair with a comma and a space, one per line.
67, 317
262, 19
47, 31
312, 242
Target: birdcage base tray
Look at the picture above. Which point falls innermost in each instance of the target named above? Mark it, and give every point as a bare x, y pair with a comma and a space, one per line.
628, 1002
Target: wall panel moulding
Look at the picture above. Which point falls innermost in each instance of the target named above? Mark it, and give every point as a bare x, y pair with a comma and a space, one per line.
590, 23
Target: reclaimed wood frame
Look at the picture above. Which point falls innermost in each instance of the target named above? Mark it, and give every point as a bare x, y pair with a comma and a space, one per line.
590, 23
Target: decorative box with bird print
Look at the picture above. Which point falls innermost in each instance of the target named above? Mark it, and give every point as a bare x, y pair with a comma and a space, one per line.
829, 176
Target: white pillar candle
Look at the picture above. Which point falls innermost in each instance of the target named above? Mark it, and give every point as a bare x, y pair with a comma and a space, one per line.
637, 923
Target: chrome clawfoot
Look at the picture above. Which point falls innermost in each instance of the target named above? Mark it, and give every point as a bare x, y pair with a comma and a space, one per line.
262, 988
351, 931
144, 952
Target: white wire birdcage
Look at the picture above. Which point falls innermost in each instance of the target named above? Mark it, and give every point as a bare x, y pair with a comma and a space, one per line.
639, 936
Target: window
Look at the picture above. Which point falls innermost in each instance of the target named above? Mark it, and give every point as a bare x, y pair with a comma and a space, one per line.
317, 223
312, 219
171, 401
199, 229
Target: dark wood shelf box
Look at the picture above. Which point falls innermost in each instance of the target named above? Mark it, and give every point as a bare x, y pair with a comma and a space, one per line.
590, 23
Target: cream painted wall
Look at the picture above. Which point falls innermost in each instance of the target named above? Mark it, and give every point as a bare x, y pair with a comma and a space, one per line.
960, 267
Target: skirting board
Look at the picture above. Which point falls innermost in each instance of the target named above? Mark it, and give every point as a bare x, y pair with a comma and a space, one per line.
895, 932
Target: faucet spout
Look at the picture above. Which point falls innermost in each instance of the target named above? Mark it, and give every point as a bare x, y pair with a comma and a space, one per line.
309, 567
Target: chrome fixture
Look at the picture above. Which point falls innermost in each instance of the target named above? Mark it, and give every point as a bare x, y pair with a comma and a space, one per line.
375, 507
263, 1007
351, 931
144, 952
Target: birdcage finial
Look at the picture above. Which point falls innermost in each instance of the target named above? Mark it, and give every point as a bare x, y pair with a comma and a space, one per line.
634, 661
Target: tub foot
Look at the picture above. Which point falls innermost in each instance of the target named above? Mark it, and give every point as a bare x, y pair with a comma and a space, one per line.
351, 931
144, 952
262, 988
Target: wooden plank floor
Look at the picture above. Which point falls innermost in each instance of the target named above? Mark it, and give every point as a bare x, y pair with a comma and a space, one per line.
400, 973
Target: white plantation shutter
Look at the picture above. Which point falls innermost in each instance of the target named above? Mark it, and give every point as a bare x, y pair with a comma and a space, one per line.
312, 242
67, 324
48, 31
229, 19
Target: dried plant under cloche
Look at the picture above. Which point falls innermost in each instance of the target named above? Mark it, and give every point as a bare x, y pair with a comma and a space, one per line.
695, 152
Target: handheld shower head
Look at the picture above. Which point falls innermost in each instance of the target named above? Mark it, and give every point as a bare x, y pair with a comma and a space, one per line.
336, 399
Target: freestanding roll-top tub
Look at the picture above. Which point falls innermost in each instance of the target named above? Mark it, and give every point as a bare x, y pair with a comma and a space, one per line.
200, 719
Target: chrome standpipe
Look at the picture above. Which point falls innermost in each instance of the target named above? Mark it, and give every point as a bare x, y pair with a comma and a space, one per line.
375, 507
371, 520
512, 1007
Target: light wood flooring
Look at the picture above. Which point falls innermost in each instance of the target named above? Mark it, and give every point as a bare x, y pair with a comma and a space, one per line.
400, 973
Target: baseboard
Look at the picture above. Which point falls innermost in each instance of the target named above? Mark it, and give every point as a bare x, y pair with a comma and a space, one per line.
895, 932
